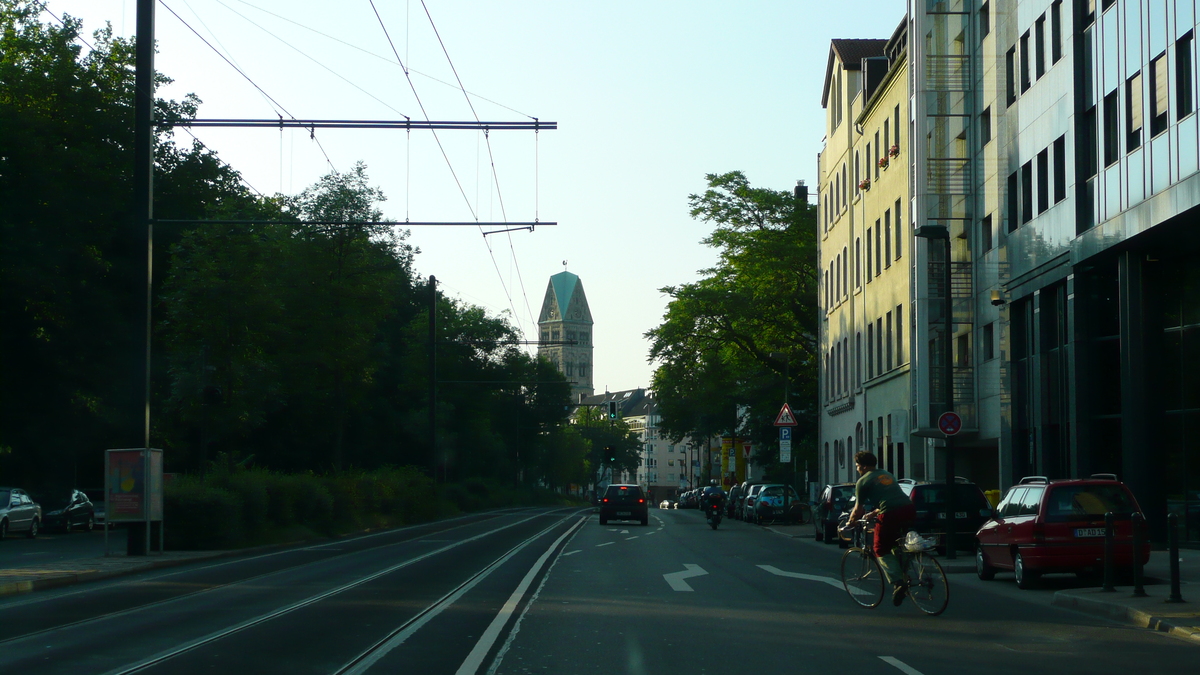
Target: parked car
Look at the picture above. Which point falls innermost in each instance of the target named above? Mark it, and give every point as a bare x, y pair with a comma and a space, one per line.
971, 510
748, 501
64, 509
769, 505
624, 502
1044, 526
740, 503
666, 504
735, 493
99, 507
833, 503
18, 513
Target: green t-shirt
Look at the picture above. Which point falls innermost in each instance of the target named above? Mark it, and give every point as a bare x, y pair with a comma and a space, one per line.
880, 488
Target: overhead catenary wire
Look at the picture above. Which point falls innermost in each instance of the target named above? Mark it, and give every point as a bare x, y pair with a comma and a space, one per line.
491, 159
445, 156
92, 47
248, 79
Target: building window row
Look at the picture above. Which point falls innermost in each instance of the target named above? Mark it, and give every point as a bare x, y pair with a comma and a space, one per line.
1025, 62
1028, 188
884, 243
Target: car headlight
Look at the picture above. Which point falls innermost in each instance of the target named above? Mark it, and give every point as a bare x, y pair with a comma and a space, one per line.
55, 513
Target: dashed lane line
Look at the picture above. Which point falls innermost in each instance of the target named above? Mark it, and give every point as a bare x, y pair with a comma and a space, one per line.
902, 666
607, 543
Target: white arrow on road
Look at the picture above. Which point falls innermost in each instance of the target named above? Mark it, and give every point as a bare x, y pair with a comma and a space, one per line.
676, 579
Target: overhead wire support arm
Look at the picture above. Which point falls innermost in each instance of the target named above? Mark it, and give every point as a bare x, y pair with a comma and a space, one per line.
382, 223
409, 125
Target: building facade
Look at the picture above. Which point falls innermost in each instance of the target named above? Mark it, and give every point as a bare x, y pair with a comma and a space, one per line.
1051, 152
566, 336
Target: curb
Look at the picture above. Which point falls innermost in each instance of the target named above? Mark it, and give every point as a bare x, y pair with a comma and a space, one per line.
1129, 615
58, 580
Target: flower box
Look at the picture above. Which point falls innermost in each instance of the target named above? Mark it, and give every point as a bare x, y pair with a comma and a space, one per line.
894, 151
883, 162
864, 184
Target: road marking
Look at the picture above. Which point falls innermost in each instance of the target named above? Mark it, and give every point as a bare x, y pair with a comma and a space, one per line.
650, 533
624, 531
571, 553
676, 579
475, 659
836, 583
607, 543
633, 537
904, 667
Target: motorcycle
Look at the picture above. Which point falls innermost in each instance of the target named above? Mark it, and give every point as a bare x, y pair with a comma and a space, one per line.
713, 508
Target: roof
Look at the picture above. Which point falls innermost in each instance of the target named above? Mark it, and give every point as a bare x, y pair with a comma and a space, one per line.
850, 52
564, 287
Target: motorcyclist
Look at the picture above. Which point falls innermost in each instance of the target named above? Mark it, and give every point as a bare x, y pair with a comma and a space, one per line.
712, 492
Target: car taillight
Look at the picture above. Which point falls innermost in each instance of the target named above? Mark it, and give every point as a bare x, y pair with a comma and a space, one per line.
1039, 532
605, 500
640, 501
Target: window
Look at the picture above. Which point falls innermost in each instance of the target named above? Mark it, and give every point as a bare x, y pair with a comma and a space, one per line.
1056, 32
1025, 82
1013, 200
1039, 33
985, 23
887, 239
1159, 87
868, 255
858, 263
870, 350
879, 344
962, 351
1133, 113
1026, 192
887, 139
878, 249
985, 126
888, 348
1183, 76
584, 337
837, 279
987, 342
1043, 180
899, 230
845, 275
1111, 133
985, 233
1010, 75
857, 178
1060, 169
899, 335
896, 128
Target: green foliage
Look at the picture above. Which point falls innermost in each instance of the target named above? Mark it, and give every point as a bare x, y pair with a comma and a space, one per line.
730, 338
313, 329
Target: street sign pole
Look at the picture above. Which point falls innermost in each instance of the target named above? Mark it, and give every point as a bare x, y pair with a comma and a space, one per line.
950, 424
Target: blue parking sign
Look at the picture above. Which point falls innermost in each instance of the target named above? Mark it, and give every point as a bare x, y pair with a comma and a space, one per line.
785, 433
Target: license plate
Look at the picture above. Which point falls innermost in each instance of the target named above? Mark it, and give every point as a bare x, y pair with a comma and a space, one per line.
1089, 532
624, 513
957, 514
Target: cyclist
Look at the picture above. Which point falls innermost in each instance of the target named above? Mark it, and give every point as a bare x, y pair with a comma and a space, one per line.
894, 514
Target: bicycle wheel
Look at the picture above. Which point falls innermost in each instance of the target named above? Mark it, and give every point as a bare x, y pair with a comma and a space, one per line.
862, 577
927, 585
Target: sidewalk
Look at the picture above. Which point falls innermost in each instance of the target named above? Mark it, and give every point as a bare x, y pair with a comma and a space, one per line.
17, 580
1180, 619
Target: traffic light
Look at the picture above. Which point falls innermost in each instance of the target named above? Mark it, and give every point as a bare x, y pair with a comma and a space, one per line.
612, 410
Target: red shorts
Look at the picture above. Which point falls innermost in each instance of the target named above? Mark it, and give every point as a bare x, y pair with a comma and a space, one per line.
892, 525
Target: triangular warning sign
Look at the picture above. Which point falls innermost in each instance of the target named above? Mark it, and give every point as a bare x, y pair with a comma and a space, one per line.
785, 417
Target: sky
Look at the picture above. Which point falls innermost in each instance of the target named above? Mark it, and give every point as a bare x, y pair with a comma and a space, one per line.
649, 96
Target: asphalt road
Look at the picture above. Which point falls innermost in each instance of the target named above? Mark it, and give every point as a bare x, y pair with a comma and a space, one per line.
552, 591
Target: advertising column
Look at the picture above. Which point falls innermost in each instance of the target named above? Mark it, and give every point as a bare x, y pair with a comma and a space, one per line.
133, 485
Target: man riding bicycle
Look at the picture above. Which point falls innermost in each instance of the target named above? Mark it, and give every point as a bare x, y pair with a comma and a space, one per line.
894, 514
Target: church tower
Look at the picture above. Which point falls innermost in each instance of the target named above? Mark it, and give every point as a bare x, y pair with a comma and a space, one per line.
566, 332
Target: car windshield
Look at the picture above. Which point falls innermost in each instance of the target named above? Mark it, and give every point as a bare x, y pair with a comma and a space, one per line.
3, 498
1073, 502
624, 493
966, 497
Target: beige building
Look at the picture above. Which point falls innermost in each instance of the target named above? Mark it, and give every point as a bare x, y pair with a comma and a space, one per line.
865, 244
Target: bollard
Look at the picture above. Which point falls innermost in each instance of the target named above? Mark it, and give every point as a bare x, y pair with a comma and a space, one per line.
1109, 562
1173, 552
1137, 523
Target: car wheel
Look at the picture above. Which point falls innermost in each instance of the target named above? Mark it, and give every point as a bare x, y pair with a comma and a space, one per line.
1025, 577
91, 523
645, 521
3, 529
33, 529
982, 569
603, 520
831, 534
819, 532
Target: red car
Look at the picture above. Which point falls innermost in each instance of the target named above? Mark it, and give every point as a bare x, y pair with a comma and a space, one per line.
1044, 525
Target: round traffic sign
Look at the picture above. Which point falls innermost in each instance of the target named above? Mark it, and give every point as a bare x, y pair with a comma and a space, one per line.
950, 423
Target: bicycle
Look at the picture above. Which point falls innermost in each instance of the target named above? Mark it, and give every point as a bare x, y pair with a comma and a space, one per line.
864, 580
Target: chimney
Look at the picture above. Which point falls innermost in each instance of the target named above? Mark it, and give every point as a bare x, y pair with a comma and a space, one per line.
801, 191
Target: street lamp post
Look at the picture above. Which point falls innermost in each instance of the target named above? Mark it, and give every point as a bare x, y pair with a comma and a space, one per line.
932, 232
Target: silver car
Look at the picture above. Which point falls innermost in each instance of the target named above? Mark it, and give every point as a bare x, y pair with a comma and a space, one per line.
18, 513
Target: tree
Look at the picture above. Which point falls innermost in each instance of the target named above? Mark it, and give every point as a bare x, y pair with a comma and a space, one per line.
729, 338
